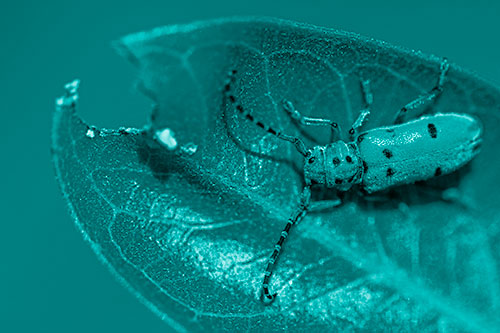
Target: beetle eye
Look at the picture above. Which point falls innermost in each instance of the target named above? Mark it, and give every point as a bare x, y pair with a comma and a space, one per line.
312, 159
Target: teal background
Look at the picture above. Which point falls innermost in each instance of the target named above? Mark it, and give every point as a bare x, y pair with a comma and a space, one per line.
50, 280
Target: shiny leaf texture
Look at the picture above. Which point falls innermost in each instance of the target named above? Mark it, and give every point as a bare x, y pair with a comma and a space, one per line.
190, 230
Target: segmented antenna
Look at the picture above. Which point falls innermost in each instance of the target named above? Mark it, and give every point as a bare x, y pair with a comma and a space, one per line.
301, 211
229, 94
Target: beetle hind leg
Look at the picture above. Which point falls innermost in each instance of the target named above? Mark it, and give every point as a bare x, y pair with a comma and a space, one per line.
425, 99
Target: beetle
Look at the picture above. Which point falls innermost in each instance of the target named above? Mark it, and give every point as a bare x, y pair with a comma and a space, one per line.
377, 159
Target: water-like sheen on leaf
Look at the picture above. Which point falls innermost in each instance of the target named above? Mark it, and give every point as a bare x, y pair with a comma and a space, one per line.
189, 229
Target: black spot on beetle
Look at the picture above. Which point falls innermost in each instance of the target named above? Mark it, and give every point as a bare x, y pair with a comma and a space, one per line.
348, 159
365, 167
311, 160
338, 181
390, 172
387, 153
432, 130
361, 138
261, 125
232, 98
438, 172
336, 161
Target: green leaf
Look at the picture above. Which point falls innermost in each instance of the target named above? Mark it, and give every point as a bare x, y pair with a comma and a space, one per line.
190, 230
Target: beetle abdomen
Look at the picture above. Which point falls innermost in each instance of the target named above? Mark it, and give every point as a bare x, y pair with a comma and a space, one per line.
417, 150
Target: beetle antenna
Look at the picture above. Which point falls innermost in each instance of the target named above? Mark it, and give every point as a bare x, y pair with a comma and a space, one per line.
229, 95
267, 297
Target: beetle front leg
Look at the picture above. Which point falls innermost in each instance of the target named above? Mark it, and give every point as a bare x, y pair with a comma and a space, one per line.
308, 121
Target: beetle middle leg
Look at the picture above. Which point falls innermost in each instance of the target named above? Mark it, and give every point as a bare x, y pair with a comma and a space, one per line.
368, 100
317, 206
427, 98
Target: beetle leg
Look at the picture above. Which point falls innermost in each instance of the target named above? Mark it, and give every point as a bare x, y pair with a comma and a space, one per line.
316, 206
368, 100
427, 98
266, 296
308, 121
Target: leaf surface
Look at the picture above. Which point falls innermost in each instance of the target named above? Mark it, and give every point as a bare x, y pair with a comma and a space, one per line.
189, 231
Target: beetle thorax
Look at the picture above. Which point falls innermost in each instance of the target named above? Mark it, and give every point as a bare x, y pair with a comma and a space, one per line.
336, 165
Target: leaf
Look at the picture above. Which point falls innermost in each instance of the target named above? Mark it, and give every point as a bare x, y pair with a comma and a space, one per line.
189, 231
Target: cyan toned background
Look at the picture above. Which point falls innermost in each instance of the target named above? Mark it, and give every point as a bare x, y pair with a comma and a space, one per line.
50, 280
